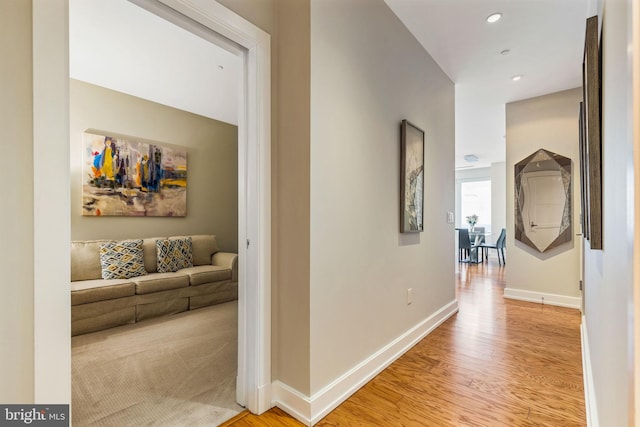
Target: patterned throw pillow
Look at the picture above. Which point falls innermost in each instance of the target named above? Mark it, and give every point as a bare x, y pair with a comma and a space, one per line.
122, 260
174, 254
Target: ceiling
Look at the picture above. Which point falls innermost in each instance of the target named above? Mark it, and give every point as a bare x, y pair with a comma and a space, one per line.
544, 39
118, 45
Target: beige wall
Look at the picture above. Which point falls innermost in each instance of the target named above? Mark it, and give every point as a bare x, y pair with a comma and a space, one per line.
16, 215
293, 214
212, 156
367, 74
261, 13
549, 122
609, 272
498, 198
408, 94
287, 21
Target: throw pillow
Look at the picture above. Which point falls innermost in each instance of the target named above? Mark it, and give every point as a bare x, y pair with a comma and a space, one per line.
122, 260
174, 254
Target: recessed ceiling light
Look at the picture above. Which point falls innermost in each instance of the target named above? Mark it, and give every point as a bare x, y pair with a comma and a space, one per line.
494, 17
221, 67
516, 78
505, 52
471, 158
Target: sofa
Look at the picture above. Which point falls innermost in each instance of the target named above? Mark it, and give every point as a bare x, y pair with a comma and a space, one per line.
208, 277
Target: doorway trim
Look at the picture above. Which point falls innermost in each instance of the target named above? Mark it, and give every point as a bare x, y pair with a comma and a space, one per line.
52, 341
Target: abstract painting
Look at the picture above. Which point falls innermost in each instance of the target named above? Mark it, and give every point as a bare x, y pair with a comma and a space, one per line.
412, 179
125, 177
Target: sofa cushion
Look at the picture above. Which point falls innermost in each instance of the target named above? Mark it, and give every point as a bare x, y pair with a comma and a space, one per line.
86, 291
204, 246
206, 274
122, 260
160, 282
150, 253
174, 254
85, 260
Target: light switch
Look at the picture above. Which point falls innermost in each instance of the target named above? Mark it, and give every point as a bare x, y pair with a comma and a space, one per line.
450, 218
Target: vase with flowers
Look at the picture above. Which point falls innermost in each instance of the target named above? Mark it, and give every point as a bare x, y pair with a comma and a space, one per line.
472, 220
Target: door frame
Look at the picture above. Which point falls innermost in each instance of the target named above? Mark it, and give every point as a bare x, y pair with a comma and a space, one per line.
51, 174
634, 350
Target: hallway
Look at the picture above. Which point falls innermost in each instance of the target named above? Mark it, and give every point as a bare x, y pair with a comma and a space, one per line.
498, 362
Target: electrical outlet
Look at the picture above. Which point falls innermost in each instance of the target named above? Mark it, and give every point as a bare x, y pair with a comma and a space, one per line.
409, 296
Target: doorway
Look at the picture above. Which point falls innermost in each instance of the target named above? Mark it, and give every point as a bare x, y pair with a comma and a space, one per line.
51, 210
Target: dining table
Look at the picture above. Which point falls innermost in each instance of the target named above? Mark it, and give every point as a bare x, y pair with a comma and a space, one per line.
477, 238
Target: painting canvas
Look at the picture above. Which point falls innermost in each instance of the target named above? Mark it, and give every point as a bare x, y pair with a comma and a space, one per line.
412, 179
127, 177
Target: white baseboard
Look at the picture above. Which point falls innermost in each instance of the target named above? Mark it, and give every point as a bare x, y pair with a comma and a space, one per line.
311, 410
587, 374
543, 298
292, 402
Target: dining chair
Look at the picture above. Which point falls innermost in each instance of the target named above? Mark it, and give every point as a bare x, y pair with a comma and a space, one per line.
464, 244
498, 246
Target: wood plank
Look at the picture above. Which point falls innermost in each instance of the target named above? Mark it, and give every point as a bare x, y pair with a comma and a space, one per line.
498, 362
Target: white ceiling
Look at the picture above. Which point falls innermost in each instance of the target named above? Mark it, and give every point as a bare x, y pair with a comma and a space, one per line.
120, 46
545, 40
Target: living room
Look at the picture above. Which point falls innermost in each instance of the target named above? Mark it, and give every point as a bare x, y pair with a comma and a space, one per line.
132, 97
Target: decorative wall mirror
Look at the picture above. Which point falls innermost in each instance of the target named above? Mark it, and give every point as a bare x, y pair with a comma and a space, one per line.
543, 200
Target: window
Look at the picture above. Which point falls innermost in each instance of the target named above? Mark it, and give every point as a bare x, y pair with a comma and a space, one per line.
476, 199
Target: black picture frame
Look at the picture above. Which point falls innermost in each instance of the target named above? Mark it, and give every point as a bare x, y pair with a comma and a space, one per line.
411, 178
591, 91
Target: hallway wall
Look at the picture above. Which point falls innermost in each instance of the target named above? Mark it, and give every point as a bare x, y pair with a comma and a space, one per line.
16, 224
549, 122
367, 74
341, 175
287, 21
498, 197
609, 272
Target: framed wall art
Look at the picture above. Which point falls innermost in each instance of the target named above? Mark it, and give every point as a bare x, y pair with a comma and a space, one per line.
591, 83
129, 177
584, 170
412, 178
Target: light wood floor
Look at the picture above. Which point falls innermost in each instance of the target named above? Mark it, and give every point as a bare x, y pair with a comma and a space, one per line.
497, 362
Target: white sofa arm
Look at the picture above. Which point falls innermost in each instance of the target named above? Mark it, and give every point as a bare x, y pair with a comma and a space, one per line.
228, 260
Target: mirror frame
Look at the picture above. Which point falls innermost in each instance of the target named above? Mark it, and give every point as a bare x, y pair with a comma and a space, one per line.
564, 167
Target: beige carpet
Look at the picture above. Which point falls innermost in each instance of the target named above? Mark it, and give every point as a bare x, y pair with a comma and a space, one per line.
172, 371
